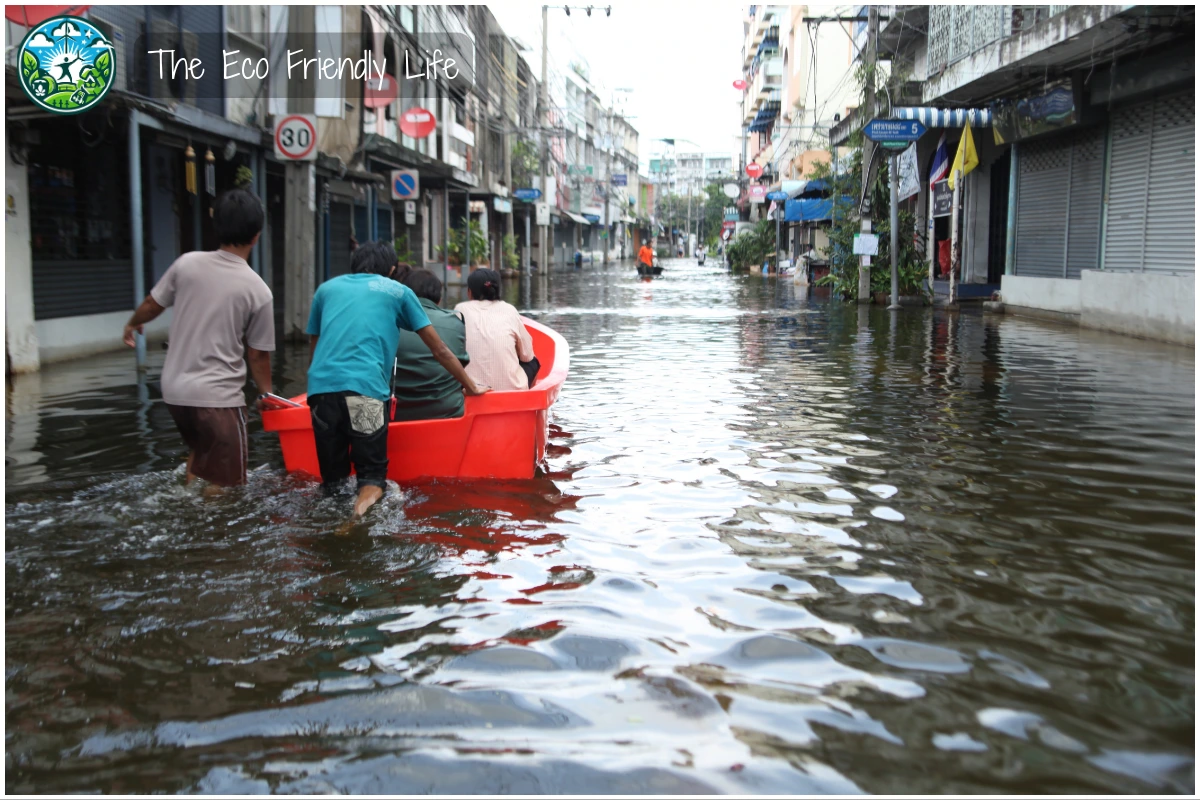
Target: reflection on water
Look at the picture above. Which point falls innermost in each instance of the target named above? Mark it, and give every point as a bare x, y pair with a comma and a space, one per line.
780, 545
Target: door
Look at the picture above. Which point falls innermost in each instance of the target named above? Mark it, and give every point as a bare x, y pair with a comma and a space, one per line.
998, 217
1150, 223
160, 208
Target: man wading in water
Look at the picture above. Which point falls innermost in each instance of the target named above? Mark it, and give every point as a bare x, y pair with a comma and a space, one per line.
223, 321
354, 330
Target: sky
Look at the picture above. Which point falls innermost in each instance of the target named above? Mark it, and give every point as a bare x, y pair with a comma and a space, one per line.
679, 58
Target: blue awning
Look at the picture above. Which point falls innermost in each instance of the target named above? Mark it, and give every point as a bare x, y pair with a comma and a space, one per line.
816, 209
768, 112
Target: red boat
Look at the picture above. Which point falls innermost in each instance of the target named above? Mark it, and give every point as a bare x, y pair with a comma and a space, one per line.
499, 435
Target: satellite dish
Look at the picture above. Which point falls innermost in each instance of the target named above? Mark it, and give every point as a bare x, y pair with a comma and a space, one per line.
731, 190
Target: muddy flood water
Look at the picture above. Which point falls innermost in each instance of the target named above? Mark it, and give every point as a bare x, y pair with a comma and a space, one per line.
781, 545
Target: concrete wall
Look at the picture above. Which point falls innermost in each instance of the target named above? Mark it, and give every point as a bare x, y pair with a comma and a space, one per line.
76, 337
1140, 304
1143, 304
20, 338
1045, 294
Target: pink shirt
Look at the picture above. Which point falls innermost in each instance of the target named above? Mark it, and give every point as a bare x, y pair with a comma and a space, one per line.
496, 341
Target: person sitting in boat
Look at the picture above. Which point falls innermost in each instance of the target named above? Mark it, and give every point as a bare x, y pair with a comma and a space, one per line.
496, 338
354, 331
423, 388
646, 256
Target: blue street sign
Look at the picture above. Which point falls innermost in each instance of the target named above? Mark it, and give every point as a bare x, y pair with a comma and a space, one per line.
893, 130
527, 194
777, 196
620, 180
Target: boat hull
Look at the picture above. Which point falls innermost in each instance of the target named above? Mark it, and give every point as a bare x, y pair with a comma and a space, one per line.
499, 435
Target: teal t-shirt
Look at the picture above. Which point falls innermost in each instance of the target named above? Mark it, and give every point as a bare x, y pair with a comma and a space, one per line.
359, 318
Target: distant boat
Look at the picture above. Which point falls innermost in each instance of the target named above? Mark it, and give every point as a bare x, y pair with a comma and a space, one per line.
645, 272
499, 435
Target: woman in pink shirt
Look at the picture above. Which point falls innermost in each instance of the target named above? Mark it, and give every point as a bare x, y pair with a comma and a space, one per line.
496, 338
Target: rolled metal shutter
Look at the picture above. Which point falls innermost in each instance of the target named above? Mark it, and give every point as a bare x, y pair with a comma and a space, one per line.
1151, 215
1171, 204
339, 238
1086, 206
1041, 209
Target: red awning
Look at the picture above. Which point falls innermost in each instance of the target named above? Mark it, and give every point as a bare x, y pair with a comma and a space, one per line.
35, 15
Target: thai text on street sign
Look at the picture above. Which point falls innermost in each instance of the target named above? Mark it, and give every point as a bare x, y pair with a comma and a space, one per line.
893, 130
620, 180
777, 196
417, 123
296, 138
528, 195
406, 184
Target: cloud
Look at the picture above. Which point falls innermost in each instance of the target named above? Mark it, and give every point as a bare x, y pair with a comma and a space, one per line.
101, 43
67, 29
40, 40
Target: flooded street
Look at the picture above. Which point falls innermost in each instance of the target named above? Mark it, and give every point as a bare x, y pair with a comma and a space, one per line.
781, 545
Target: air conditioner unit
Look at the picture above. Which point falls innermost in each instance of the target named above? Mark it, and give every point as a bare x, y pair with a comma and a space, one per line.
119, 54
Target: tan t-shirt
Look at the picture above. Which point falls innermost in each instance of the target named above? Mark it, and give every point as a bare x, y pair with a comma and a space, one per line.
496, 342
221, 308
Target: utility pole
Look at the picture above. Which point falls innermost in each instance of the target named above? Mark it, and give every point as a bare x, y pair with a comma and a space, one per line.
608, 180
894, 219
868, 147
544, 120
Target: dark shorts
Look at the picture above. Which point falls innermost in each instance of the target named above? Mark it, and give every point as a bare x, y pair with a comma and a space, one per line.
350, 429
217, 439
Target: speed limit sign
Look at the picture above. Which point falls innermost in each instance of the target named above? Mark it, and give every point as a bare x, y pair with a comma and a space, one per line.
296, 138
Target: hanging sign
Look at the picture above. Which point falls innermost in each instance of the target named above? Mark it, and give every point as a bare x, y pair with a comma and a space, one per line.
775, 197
758, 194
527, 195
620, 180
754, 170
406, 184
502, 204
410, 212
909, 181
943, 199
296, 138
542, 213
380, 91
740, 85
417, 123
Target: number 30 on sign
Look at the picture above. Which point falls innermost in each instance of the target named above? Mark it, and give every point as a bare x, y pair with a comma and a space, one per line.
296, 138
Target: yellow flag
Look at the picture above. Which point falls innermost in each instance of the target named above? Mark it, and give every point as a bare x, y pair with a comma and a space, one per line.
966, 159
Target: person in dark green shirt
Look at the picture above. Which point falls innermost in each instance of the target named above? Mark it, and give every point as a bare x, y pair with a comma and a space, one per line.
424, 389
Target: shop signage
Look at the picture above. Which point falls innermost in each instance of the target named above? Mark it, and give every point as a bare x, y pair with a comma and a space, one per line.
740, 85
406, 184
296, 138
574, 169
542, 211
592, 218
528, 195
754, 170
502, 204
777, 196
410, 212
380, 91
417, 123
866, 244
620, 180
943, 199
758, 194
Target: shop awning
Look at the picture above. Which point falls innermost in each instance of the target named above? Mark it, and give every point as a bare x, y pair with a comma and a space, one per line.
576, 218
946, 117
816, 209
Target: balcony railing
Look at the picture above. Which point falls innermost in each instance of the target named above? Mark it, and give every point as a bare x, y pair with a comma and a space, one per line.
959, 31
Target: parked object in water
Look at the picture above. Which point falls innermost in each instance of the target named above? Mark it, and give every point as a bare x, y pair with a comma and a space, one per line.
645, 271
499, 435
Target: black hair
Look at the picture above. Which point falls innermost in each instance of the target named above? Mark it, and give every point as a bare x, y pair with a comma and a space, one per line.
484, 284
424, 285
237, 217
376, 257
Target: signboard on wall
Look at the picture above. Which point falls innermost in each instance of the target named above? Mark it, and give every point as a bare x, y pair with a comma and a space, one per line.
543, 213
943, 199
910, 182
410, 212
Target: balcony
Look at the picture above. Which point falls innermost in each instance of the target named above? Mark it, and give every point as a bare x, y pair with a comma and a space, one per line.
957, 32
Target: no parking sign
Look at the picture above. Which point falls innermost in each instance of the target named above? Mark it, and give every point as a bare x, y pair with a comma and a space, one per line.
406, 184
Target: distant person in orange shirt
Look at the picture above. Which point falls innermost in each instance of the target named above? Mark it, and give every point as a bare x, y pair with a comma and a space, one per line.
646, 256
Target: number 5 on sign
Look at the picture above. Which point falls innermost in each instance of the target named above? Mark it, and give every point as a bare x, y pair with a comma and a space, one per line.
296, 137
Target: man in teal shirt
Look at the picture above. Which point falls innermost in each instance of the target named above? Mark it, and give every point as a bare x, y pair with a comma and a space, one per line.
354, 329
424, 389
